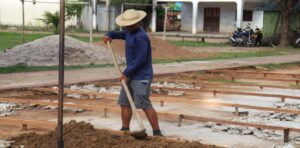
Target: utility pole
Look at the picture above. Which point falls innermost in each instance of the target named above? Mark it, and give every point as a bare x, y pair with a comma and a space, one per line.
23, 22
60, 141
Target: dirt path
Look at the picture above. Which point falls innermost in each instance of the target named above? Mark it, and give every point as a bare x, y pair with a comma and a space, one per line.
18, 80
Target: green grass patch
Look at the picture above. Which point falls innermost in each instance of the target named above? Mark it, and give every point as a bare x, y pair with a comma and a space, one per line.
278, 66
197, 44
24, 68
11, 39
86, 39
229, 81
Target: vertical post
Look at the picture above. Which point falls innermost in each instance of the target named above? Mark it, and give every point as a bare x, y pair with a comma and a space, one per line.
161, 103
122, 10
23, 22
283, 99
60, 142
240, 9
236, 112
107, 8
90, 9
286, 135
105, 112
165, 22
180, 117
153, 21
194, 20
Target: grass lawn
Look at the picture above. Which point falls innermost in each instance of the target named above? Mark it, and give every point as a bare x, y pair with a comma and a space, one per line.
11, 39
23, 68
234, 55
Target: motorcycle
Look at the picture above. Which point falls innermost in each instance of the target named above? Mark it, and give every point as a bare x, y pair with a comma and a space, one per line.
243, 38
295, 42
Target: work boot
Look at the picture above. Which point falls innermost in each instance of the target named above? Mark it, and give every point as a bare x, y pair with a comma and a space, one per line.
124, 129
157, 133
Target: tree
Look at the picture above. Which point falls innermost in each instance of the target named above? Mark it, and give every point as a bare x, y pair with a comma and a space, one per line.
51, 19
287, 9
74, 10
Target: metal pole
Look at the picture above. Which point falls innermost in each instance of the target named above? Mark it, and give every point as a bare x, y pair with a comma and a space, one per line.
165, 22
60, 141
23, 22
91, 23
122, 10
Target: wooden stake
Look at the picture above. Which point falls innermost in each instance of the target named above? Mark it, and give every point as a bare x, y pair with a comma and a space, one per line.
286, 135
24, 127
161, 103
236, 111
105, 112
180, 117
283, 99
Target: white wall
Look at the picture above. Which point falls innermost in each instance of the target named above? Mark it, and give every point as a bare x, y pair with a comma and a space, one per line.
227, 17
257, 20
11, 12
186, 17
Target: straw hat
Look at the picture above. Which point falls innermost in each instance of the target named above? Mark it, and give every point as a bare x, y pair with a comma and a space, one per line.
130, 17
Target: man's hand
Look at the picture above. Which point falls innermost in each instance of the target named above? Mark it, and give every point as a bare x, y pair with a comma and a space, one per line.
123, 77
106, 39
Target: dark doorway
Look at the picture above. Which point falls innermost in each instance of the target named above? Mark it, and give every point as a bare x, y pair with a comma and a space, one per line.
212, 19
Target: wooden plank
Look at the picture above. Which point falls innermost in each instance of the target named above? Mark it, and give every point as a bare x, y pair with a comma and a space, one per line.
205, 82
220, 121
264, 74
158, 98
232, 92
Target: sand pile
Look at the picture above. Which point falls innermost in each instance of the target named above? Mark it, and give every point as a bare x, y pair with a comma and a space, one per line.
44, 52
83, 135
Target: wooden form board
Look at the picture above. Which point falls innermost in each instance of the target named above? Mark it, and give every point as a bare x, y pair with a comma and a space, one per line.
167, 99
264, 74
15, 121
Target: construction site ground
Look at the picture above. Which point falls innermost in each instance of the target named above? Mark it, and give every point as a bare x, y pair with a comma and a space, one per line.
225, 107
216, 103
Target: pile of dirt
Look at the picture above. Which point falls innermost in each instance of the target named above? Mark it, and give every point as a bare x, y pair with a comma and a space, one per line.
44, 52
160, 49
79, 135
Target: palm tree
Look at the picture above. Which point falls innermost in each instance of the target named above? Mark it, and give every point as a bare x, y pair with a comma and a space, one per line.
52, 19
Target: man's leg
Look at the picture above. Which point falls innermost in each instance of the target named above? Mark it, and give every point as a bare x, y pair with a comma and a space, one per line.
152, 117
126, 114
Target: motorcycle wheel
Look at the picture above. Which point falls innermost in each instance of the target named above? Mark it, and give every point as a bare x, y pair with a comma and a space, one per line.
296, 41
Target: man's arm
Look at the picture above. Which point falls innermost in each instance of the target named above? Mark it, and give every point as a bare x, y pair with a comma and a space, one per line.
140, 59
117, 34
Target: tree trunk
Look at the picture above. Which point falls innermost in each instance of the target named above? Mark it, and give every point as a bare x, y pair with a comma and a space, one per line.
284, 30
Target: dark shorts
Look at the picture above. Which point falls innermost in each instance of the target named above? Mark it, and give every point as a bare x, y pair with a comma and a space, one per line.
140, 92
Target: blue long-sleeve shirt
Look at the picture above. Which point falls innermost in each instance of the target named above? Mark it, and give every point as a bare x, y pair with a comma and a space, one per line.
137, 52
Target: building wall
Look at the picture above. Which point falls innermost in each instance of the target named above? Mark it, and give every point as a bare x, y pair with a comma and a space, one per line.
186, 17
227, 17
102, 17
11, 12
257, 20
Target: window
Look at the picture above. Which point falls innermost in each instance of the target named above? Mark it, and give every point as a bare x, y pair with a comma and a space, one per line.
247, 15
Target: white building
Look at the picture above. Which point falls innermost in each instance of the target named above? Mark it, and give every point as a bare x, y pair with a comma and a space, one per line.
216, 15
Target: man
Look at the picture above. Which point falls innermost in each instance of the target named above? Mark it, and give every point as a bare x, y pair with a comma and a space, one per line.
139, 72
